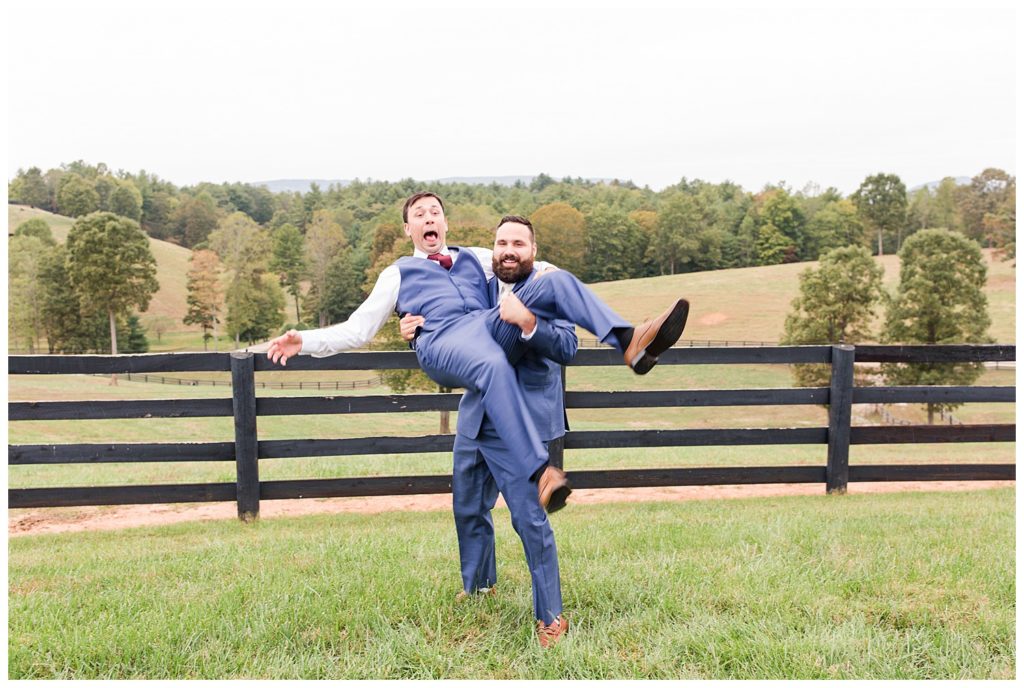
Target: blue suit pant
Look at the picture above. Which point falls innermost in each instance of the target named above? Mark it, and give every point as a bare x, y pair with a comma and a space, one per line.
482, 467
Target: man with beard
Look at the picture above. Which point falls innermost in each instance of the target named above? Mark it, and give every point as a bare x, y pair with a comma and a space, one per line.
483, 465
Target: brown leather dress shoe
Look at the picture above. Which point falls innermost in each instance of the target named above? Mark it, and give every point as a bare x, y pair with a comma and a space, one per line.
553, 632
553, 489
654, 336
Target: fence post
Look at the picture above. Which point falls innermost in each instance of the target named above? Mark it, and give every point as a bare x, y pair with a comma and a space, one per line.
556, 447
243, 396
840, 416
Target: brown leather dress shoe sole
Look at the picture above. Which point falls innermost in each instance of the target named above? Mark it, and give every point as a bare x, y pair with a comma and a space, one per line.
553, 489
654, 337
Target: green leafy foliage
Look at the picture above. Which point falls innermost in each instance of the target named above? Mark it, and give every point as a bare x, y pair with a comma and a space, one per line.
38, 228
289, 261
111, 266
255, 308
881, 201
77, 196
836, 305
940, 300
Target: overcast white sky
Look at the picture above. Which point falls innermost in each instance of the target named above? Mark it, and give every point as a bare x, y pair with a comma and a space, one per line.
230, 91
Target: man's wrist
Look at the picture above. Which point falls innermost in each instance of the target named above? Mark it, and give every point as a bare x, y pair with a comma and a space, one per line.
529, 328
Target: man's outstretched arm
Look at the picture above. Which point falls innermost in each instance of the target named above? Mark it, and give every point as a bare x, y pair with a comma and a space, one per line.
357, 331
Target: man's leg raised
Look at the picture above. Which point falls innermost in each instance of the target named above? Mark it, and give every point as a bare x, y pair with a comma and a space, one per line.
559, 294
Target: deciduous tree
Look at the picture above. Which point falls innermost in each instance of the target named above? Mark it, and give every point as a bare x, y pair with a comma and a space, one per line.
38, 228
111, 267
26, 254
835, 225
242, 245
32, 188
836, 305
255, 308
204, 299
990, 194
561, 235
881, 201
77, 197
325, 239
940, 300
126, 201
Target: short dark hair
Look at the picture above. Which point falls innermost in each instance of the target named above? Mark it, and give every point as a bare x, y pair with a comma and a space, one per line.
518, 219
415, 197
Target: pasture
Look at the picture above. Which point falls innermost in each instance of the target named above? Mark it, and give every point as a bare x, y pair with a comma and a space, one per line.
863, 586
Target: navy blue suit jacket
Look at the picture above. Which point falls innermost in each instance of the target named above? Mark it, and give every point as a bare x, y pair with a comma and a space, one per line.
539, 372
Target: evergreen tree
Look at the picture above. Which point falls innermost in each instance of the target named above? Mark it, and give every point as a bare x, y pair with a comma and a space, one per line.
136, 337
325, 239
289, 261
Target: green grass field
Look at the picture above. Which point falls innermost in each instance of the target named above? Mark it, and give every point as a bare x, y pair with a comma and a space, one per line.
862, 586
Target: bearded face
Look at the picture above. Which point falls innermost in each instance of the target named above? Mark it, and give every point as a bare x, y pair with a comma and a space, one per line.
512, 259
510, 266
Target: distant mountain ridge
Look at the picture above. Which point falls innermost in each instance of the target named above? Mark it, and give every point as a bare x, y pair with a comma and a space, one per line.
960, 181
303, 185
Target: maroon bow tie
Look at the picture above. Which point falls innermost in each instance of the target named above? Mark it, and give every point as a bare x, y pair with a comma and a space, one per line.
441, 259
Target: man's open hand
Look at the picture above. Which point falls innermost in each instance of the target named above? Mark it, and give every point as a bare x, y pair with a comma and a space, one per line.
284, 347
408, 324
513, 311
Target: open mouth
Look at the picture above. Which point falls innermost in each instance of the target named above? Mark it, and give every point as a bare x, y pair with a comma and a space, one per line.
430, 235
509, 261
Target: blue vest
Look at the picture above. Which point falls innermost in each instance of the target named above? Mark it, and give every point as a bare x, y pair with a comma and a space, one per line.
440, 295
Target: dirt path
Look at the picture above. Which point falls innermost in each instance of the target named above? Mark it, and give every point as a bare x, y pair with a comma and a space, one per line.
67, 520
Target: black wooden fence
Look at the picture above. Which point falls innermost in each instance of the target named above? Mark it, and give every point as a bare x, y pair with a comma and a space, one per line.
246, 451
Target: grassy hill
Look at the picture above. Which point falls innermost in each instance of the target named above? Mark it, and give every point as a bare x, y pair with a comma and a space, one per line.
740, 304
171, 261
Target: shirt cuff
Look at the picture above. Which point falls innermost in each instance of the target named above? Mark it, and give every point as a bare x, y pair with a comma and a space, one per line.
310, 343
528, 337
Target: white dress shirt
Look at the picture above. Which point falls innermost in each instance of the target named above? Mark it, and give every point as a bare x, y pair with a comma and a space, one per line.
364, 323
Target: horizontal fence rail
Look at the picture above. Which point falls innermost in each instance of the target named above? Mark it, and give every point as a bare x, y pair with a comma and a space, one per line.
245, 407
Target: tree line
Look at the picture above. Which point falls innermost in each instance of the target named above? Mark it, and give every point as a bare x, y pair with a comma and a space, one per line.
324, 248
940, 299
